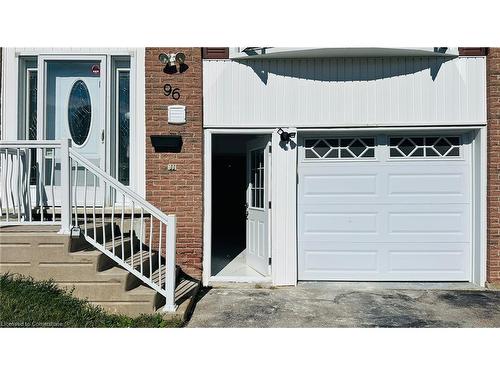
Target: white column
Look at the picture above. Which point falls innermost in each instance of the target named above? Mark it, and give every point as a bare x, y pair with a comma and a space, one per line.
284, 210
65, 187
170, 279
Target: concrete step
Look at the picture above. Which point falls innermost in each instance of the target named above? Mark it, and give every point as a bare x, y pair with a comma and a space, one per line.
129, 308
119, 248
93, 275
110, 291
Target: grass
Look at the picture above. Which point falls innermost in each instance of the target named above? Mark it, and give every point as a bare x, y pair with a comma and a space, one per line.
25, 302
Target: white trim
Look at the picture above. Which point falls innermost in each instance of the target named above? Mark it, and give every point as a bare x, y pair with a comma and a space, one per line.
361, 126
239, 279
10, 74
400, 127
315, 52
207, 206
479, 214
207, 200
138, 121
72, 51
284, 213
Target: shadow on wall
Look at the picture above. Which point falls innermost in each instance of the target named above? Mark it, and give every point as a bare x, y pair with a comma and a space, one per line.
348, 68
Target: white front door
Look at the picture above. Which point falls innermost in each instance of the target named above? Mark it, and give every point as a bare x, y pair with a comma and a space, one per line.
257, 250
385, 207
74, 108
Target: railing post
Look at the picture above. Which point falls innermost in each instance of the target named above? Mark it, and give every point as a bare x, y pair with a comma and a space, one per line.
170, 265
66, 205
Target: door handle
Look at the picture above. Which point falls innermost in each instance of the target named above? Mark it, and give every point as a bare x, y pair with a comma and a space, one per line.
102, 136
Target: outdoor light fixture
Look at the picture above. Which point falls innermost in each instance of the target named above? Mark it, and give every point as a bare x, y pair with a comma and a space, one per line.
285, 136
180, 58
163, 58
172, 60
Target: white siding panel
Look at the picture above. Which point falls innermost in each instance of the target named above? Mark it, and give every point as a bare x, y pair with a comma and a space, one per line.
344, 91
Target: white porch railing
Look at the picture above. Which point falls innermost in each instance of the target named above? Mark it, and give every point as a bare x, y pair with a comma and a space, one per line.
47, 182
27, 184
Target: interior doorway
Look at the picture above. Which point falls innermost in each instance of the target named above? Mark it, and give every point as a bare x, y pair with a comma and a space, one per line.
240, 206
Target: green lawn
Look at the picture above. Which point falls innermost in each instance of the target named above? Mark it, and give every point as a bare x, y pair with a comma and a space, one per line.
25, 302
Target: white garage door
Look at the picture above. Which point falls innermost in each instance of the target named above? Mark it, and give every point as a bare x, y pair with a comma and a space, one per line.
385, 207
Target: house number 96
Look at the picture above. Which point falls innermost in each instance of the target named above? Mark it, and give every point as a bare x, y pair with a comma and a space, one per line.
175, 92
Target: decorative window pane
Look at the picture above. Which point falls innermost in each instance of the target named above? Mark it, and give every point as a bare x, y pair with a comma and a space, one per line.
357, 147
257, 178
340, 148
31, 101
31, 119
79, 112
333, 154
321, 148
407, 146
310, 154
123, 119
344, 153
424, 147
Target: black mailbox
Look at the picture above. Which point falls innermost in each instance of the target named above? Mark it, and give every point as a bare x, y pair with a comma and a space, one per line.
167, 143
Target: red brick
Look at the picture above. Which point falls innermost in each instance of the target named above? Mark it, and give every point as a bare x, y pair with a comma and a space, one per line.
179, 192
493, 90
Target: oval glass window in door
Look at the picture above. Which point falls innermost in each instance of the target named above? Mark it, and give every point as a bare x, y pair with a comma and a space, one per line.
79, 112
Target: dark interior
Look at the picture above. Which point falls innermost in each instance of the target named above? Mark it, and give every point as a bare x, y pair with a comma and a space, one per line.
228, 208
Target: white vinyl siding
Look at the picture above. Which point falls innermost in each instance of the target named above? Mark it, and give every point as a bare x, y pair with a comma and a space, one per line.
345, 91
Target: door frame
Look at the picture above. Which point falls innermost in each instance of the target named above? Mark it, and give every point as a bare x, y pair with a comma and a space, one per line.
42, 61
11, 58
207, 278
284, 251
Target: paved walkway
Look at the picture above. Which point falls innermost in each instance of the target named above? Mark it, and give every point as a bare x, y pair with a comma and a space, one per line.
347, 305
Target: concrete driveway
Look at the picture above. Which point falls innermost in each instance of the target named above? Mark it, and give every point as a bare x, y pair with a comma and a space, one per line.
348, 305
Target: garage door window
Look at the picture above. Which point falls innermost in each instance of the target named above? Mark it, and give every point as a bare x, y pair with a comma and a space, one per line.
339, 148
425, 147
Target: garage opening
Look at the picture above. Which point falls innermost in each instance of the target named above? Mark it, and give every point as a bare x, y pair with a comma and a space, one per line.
385, 207
240, 208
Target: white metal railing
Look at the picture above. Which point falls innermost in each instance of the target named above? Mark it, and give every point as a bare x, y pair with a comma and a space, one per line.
47, 182
151, 234
27, 182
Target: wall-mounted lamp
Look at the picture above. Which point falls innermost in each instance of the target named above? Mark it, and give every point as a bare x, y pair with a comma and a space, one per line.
172, 60
285, 136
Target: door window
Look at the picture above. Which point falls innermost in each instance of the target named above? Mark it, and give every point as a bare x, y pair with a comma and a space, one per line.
79, 112
123, 126
257, 178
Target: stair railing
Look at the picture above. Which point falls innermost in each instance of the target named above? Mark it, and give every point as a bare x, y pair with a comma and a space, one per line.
149, 250
49, 183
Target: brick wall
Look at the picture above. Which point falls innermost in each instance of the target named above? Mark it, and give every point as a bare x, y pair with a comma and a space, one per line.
178, 192
493, 81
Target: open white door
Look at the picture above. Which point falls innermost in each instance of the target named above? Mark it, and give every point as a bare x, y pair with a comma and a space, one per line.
257, 250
